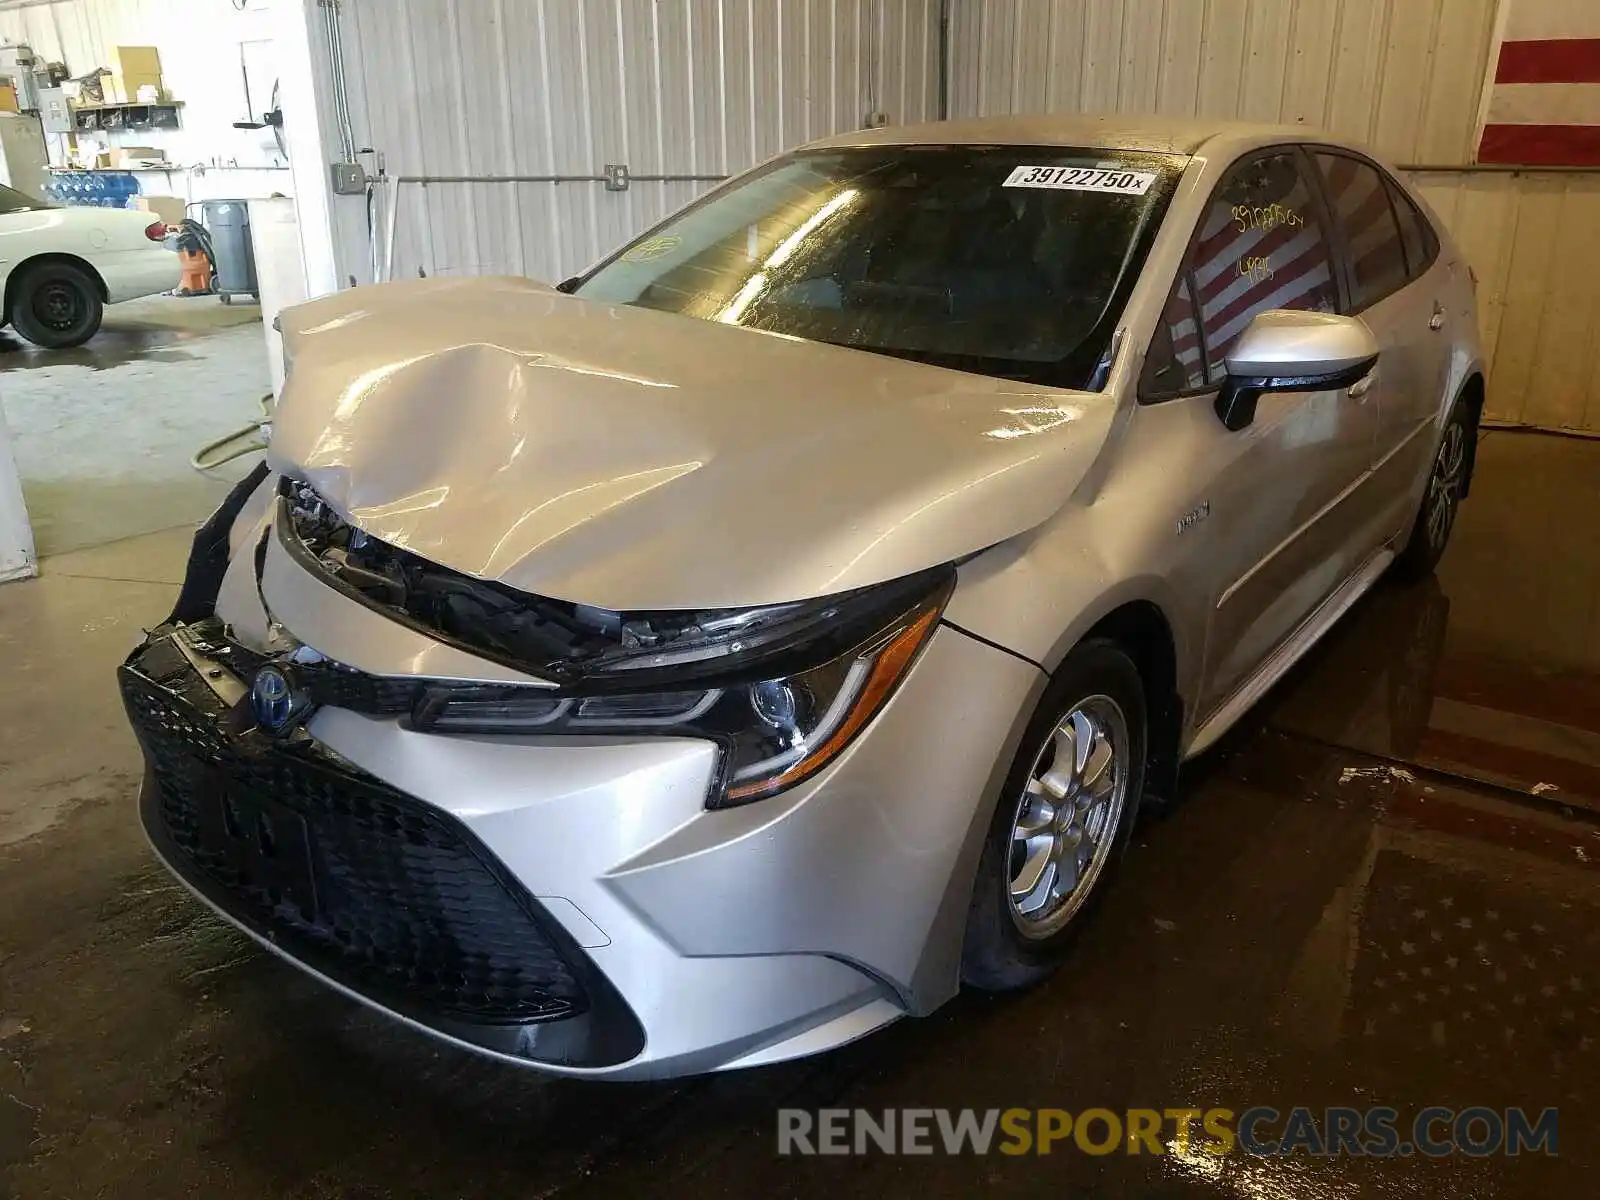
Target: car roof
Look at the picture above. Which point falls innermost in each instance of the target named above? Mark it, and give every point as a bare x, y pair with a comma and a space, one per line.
1163, 135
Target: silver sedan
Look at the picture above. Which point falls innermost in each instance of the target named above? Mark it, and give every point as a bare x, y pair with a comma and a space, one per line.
753, 640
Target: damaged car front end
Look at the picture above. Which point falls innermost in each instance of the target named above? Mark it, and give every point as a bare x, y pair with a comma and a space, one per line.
545, 866
575, 683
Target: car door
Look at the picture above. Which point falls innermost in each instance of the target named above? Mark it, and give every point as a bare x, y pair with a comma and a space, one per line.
1394, 284
1278, 534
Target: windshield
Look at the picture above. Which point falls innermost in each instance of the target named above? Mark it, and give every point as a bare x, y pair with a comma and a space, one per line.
12, 201
1009, 261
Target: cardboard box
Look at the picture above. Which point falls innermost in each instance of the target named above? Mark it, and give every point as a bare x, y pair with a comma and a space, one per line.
8, 96
170, 209
129, 61
131, 158
133, 67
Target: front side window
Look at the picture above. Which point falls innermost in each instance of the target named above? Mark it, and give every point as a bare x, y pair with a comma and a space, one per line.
1260, 245
1007, 261
1360, 203
1176, 362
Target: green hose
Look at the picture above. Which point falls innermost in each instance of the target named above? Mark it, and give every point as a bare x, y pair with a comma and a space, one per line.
250, 439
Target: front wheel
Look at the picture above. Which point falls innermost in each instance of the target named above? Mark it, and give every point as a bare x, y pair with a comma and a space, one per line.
1441, 502
1062, 823
56, 305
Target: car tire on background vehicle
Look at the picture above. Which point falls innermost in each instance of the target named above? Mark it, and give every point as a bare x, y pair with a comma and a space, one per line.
56, 305
1056, 817
1441, 499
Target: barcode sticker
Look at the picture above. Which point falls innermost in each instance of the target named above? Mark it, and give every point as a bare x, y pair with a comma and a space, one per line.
1083, 179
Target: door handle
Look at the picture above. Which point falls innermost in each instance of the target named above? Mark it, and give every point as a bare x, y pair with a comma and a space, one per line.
1360, 388
1436, 322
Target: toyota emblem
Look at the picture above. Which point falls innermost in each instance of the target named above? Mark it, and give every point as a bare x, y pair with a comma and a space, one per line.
276, 700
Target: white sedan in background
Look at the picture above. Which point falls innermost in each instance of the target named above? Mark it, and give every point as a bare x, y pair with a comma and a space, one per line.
60, 266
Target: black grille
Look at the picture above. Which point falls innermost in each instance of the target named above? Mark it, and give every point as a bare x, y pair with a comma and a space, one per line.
367, 885
341, 687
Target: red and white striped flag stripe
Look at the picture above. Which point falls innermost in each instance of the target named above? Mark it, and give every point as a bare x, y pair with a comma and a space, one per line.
1544, 103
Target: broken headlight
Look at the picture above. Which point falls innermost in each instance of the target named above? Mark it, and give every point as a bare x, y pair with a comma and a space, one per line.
782, 693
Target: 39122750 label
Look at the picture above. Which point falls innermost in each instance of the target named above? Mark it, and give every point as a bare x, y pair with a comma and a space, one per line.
1083, 179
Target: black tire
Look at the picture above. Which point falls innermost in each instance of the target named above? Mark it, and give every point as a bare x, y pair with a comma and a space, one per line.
1441, 498
56, 305
1001, 953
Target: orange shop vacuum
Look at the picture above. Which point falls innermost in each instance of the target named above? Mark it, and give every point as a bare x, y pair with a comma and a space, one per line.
196, 260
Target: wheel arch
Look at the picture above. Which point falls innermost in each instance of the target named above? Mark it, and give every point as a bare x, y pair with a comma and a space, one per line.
1140, 628
1473, 393
51, 256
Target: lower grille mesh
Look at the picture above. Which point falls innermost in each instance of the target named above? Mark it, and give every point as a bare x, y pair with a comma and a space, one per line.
362, 882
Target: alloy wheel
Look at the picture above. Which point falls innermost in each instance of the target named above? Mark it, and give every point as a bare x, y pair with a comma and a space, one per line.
1067, 817
1444, 485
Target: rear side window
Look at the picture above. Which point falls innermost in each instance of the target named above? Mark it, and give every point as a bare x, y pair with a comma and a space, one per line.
1421, 243
1261, 245
1359, 198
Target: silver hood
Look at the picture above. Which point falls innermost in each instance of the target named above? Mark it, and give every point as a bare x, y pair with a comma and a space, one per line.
638, 460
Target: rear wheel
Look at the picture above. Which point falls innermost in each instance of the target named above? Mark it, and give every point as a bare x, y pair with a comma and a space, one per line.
1062, 823
1441, 501
56, 305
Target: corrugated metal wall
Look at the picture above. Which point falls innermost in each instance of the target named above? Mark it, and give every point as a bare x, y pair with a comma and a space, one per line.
1532, 241
668, 87
78, 32
1401, 75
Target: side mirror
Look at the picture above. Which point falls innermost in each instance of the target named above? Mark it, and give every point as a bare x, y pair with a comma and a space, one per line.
1286, 351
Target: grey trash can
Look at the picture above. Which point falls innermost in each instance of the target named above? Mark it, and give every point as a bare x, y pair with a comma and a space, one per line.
229, 223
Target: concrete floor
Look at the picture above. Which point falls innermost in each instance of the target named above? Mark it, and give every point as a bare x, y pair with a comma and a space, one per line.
1331, 914
103, 434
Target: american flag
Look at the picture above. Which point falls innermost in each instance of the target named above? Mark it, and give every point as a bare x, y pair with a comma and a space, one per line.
1544, 101
1260, 248
1483, 974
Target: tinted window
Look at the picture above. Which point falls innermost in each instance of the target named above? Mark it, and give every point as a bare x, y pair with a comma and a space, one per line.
1420, 242
12, 201
957, 256
1360, 202
1261, 246
1176, 362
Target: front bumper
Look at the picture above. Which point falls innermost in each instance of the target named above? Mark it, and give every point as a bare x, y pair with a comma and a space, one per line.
384, 896
586, 871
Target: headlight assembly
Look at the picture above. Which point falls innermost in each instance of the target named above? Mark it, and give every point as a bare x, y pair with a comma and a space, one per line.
781, 709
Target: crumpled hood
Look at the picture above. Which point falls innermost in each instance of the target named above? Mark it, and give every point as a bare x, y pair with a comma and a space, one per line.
635, 460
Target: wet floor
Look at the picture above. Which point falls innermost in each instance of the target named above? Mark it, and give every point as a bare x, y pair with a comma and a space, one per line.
103, 433
1493, 670
156, 329
1334, 913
